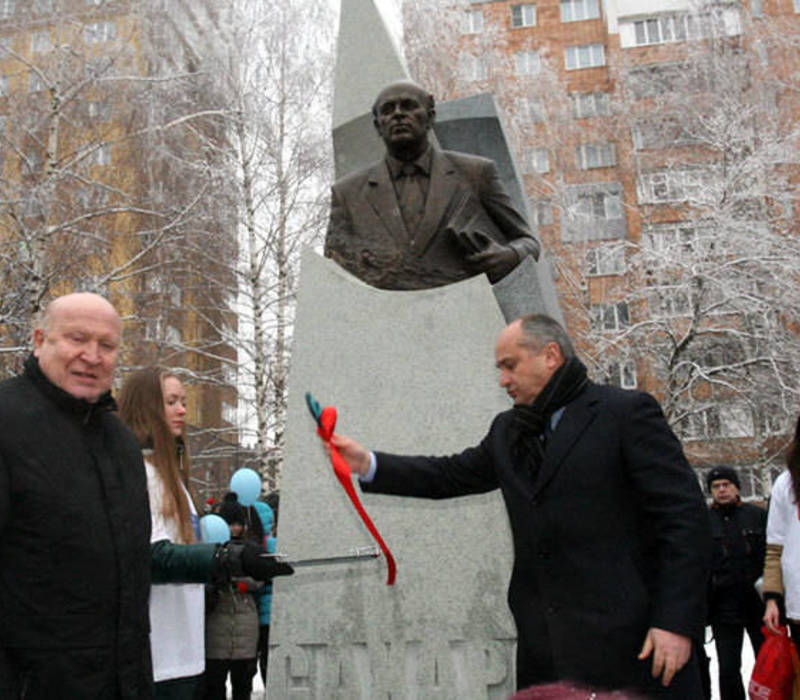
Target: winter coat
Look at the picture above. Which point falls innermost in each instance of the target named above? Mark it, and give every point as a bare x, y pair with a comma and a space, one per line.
611, 537
74, 547
264, 597
737, 560
232, 620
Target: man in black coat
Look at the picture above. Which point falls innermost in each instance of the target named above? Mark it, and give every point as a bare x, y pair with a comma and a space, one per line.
423, 217
611, 539
734, 606
75, 552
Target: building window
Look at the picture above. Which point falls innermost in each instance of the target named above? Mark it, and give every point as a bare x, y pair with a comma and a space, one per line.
99, 32
586, 56
591, 104
101, 155
731, 420
622, 374
94, 2
42, 6
596, 155
523, 16
3, 86
576, 10
531, 110
670, 241
542, 212
665, 132
473, 68
537, 160
670, 301
527, 62
677, 186
669, 28
610, 317
599, 205
772, 420
103, 66
229, 413
757, 8
98, 110
651, 81
172, 336
35, 82
605, 260
6, 8
41, 42
796, 5
472, 22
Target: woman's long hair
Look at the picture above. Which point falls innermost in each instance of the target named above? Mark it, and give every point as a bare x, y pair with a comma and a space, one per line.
141, 407
793, 461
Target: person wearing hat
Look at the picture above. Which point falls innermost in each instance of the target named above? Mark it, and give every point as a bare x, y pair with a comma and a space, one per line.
739, 534
232, 620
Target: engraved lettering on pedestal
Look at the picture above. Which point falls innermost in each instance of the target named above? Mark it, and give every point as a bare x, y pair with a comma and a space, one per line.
294, 669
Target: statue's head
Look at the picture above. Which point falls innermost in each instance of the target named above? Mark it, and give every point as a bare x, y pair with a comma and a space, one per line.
403, 114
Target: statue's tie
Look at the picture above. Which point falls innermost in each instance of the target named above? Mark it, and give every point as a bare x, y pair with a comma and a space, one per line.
412, 200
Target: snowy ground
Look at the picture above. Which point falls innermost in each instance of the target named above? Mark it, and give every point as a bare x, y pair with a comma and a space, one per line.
747, 667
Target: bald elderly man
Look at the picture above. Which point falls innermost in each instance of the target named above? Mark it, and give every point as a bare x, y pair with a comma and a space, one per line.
75, 550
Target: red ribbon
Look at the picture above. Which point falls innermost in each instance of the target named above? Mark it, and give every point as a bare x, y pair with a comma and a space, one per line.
327, 423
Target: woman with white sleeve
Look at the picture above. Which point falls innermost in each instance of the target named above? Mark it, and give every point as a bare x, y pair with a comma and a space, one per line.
782, 564
153, 405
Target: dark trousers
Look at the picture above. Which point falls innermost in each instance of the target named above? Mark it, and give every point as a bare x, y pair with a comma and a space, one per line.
242, 672
263, 651
176, 688
728, 640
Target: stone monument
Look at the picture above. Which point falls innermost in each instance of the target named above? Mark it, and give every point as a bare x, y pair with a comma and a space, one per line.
394, 364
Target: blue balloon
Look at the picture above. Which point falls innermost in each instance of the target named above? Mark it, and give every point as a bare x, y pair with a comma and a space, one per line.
247, 485
214, 529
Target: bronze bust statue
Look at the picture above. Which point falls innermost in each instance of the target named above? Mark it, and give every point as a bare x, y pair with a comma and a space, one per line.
423, 217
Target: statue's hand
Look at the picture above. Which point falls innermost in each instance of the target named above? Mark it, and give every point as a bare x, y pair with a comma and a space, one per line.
495, 260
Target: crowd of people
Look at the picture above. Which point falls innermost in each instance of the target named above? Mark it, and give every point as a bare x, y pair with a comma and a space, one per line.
106, 590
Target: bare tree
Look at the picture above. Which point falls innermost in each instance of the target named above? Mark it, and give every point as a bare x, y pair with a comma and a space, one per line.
275, 77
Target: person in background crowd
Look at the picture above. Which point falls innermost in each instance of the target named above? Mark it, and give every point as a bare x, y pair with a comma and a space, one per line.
264, 598
738, 531
781, 587
232, 621
153, 405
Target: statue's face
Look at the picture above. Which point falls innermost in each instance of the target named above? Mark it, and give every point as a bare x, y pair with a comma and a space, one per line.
402, 118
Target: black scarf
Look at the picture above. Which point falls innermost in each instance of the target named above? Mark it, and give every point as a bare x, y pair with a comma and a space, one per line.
530, 422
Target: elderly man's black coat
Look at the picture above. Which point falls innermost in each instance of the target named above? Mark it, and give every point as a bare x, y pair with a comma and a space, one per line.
610, 539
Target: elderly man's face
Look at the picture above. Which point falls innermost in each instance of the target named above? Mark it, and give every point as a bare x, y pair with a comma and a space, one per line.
402, 117
78, 348
724, 491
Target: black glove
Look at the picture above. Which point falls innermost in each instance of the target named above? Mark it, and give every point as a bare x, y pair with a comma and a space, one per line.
236, 560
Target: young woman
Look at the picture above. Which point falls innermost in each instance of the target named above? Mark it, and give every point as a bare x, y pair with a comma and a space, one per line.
153, 404
782, 565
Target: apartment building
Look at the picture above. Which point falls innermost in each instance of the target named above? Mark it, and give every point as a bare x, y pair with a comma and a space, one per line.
658, 143
108, 183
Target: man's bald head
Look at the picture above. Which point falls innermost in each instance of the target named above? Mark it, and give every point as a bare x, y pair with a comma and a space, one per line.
77, 343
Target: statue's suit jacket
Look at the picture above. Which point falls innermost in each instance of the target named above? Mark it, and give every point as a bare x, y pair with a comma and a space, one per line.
611, 537
368, 237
